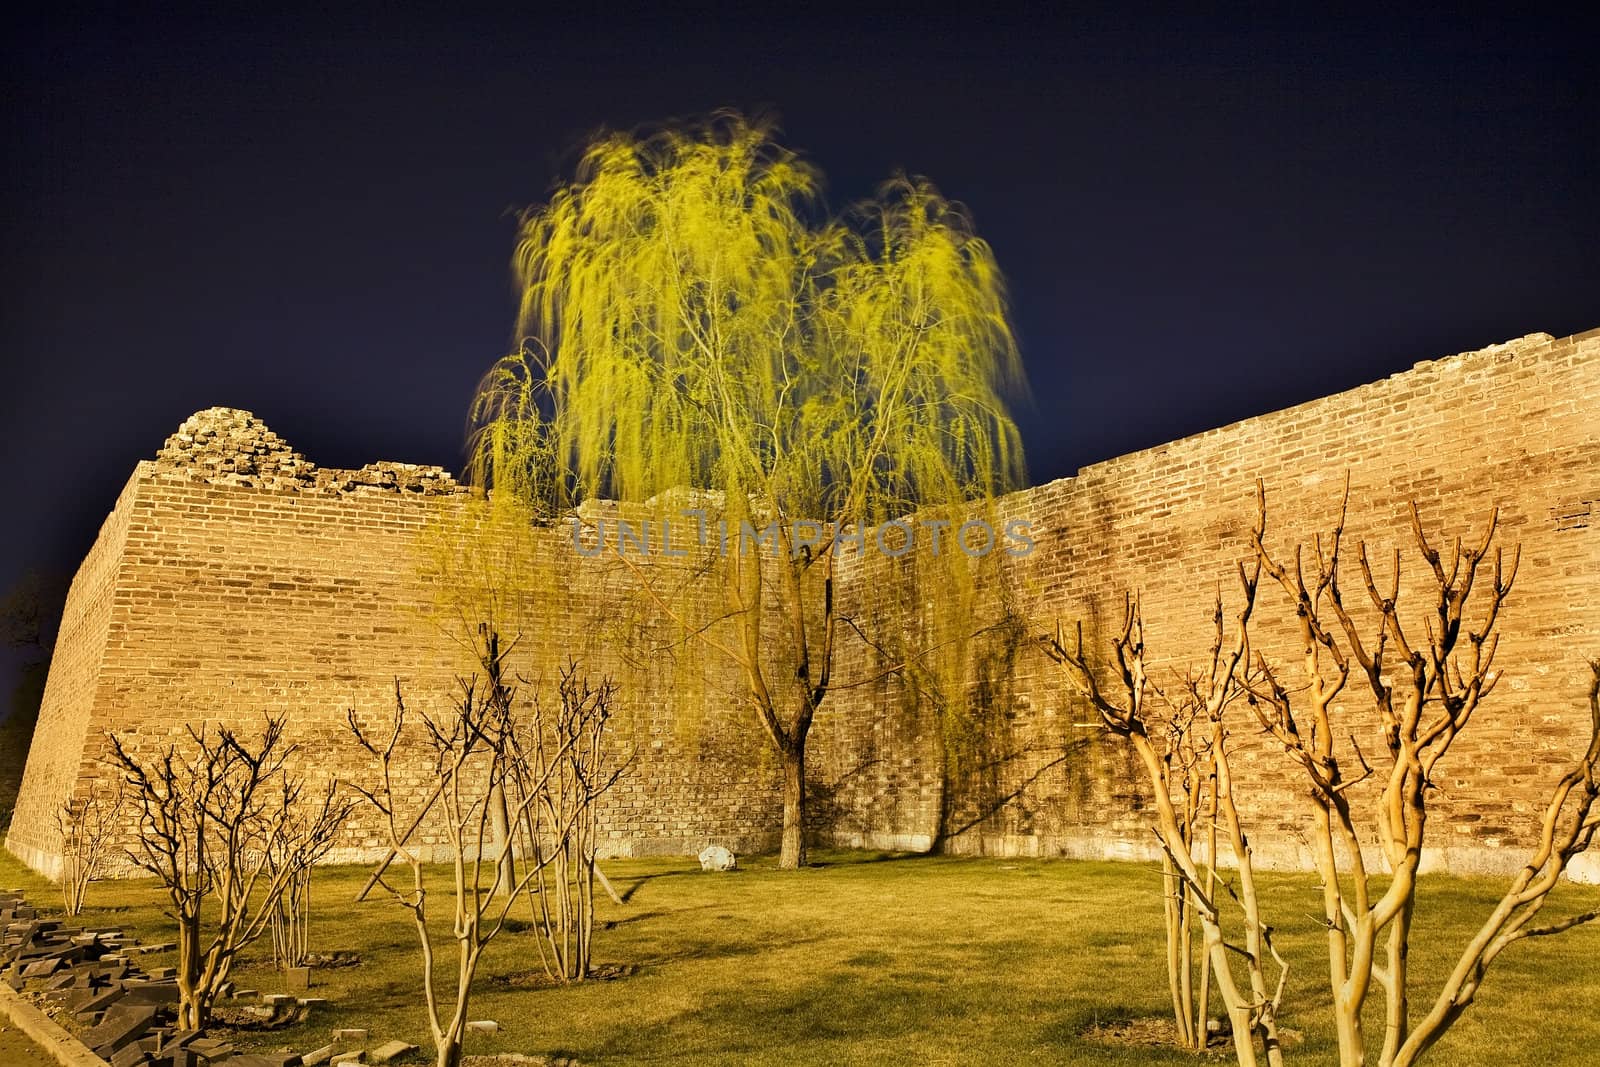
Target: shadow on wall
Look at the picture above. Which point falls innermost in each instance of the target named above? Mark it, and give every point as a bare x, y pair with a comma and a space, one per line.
994, 783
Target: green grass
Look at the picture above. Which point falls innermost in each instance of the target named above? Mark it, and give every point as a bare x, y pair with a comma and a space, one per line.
872, 959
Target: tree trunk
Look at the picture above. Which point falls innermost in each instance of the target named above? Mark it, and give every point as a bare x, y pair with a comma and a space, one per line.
500, 819
941, 824
793, 854
191, 1009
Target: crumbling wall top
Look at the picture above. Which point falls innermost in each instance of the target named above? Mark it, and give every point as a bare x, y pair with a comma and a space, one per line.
230, 446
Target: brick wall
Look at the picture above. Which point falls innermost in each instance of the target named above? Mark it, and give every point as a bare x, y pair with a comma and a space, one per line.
1513, 426
234, 578
225, 592
56, 760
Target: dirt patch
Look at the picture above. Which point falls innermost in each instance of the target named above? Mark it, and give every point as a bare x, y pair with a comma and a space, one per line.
252, 1019
1159, 1032
537, 979
1150, 1032
337, 959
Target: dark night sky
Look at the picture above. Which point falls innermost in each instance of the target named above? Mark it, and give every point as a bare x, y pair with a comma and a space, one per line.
1201, 220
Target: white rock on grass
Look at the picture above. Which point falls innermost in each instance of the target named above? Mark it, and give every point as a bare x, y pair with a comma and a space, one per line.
717, 858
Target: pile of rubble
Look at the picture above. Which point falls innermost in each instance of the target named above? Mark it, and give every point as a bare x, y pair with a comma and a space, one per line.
227, 446
126, 1014
386, 477
230, 446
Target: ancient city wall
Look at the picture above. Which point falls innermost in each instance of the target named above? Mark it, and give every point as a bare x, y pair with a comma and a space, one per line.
1514, 426
56, 762
234, 578
236, 581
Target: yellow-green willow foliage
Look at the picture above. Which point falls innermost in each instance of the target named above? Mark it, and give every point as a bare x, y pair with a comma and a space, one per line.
513, 448
693, 328
690, 319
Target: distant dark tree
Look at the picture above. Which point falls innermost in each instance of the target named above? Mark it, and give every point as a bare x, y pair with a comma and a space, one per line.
30, 615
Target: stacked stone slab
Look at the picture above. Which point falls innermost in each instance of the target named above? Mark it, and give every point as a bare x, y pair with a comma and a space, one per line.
234, 578
122, 1012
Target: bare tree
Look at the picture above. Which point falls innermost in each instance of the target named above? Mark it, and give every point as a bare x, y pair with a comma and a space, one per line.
291, 915
88, 827
570, 754
1186, 757
475, 756
212, 815
291, 923
1425, 689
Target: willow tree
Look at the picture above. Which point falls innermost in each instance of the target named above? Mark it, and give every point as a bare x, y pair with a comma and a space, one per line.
699, 324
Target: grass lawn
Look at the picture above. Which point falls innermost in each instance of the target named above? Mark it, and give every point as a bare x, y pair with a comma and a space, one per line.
870, 958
